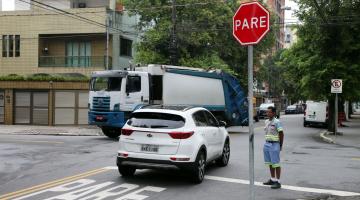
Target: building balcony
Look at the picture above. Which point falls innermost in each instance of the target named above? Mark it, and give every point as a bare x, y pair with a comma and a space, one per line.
74, 61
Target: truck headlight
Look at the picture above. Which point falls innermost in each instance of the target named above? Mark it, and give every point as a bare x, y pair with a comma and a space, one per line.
117, 107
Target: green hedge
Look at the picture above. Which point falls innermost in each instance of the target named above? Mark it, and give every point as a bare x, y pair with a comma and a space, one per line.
43, 77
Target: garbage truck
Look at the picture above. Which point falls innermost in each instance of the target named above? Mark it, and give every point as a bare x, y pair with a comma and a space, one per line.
115, 94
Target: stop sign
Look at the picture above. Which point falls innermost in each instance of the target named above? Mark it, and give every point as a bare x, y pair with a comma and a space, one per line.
250, 23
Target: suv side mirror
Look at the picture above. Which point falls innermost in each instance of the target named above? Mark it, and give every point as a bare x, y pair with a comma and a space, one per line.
222, 124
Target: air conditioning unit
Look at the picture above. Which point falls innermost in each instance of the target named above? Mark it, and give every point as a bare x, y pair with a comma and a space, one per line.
82, 5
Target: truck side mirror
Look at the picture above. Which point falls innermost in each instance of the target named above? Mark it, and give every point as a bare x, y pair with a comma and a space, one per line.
222, 124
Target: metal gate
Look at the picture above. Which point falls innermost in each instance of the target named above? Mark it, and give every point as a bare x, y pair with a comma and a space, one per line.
2, 107
31, 107
71, 107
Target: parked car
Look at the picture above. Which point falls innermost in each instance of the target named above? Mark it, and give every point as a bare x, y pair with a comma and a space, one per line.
263, 109
293, 109
316, 113
172, 137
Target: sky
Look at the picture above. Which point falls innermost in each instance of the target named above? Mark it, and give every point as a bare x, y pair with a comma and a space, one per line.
8, 5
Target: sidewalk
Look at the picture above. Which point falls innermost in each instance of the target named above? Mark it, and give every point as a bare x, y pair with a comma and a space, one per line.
50, 130
350, 135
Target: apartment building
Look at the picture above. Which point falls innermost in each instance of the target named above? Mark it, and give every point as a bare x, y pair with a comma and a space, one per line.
59, 37
277, 7
46, 40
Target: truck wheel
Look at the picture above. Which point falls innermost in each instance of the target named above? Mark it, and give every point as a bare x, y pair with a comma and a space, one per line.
198, 171
223, 160
111, 132
305, 124
126, 171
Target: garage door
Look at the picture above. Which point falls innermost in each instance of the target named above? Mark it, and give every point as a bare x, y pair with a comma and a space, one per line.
71, 107
2, 110
31, 107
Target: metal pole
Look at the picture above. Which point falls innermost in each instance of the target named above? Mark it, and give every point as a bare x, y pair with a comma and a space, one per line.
173, 42
336, 113
107, 43
251, 122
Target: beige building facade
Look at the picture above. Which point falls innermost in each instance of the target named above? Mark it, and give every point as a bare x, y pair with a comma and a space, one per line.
46, 40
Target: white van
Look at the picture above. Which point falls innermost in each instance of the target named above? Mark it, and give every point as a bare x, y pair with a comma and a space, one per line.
316, 113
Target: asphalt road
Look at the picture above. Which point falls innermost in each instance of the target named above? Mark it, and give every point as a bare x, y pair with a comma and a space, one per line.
83, 167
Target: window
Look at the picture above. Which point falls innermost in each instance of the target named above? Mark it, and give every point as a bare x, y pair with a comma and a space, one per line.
211, 119
105, 84
5, 46
200, 118
133, 84
17, 45
11, 46
125, 47
78, 54
156, 120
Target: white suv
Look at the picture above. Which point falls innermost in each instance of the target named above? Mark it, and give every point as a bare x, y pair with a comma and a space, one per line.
172, 137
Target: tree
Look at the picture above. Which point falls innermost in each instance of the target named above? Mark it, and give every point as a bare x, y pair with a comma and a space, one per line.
203, 35
328, 47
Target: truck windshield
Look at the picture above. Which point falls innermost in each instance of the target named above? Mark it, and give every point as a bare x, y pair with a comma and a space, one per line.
105, 84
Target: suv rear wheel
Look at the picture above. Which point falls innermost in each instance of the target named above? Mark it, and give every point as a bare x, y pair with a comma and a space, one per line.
126, 171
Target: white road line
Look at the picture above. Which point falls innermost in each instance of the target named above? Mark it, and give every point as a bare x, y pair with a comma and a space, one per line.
287, 187
111, 168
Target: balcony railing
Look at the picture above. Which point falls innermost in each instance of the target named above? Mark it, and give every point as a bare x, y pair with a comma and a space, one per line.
73, 61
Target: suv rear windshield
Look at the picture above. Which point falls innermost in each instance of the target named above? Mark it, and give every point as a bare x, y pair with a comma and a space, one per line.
156, 120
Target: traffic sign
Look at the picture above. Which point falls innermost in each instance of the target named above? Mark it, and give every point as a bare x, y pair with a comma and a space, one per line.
251, 23
336, 85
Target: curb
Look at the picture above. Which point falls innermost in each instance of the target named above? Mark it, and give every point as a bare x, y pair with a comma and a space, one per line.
326, 139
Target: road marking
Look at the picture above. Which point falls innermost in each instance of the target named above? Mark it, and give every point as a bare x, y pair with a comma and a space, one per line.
287, 187
51, 184
33, 141
355, 159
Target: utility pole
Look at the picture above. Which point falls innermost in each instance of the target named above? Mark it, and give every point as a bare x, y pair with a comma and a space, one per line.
107, 43
173, 42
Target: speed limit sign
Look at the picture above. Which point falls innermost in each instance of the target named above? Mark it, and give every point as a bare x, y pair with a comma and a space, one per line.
336, 85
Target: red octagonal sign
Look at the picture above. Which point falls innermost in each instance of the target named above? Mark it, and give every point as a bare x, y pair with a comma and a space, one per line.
251, 23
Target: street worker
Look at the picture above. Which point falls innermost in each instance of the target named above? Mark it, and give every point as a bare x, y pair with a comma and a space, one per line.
274, 137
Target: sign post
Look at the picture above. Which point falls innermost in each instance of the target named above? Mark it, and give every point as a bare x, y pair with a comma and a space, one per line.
336, 87
250, 25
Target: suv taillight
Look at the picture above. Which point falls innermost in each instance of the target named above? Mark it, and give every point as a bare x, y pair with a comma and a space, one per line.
181, 135
126, 132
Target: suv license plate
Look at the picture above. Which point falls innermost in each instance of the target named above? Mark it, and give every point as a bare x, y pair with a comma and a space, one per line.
150, 148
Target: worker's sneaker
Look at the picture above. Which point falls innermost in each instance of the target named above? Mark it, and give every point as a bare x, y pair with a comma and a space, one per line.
269, 182
276, 185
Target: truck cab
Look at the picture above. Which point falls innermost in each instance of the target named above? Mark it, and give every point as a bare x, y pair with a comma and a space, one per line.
113, 96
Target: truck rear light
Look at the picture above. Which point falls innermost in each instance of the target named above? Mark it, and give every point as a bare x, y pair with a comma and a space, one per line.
124, 155
126, 132
181, 135
179, 159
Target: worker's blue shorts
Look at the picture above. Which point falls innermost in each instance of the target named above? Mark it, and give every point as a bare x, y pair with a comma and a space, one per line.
272, 154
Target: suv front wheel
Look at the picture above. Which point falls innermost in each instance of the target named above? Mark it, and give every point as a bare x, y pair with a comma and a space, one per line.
223, 160
198, 171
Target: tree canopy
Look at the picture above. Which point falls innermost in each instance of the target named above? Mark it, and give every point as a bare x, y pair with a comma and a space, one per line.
203, 32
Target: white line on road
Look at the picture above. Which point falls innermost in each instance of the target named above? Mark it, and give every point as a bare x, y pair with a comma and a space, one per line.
287, 187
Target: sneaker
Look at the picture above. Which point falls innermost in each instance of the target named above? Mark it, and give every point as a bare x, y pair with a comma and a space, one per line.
276, 185
269, 182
